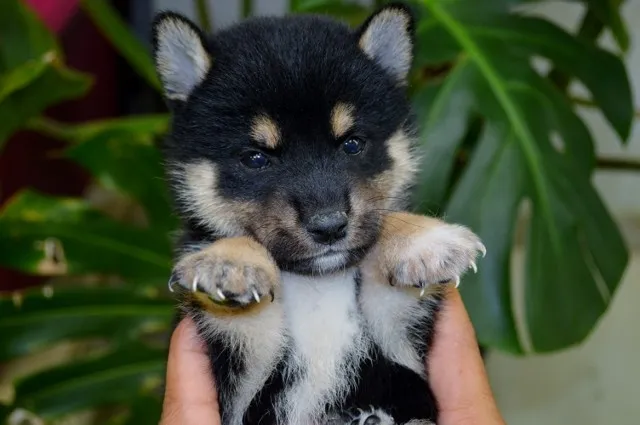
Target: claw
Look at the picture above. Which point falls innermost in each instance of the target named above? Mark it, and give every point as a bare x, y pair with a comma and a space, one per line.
482, 249
457, 281
170, 284
474, 267
422, 291
255, 295
220, 294
194, 285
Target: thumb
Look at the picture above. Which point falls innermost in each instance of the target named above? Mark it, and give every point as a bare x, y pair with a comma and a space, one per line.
190, 397
456, 370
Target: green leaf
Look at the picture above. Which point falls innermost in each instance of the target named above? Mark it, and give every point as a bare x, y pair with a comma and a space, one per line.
55, 84
516, 160
113, 27
580, 283
145, 410
116, 378
123, 157
35, 321
444, 113
23, 75
33, 76
578, 144
46, 235
351, 12
30, 39
434, 45
487, 199
5, 411
608, 11
602, 73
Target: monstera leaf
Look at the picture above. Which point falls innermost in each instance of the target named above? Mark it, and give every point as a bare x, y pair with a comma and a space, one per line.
531, 148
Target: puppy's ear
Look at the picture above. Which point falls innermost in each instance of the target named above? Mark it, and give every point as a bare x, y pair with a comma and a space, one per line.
387, 38
181, 57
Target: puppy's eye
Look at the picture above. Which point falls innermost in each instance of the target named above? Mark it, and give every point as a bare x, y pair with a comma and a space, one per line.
255, 160
352, 146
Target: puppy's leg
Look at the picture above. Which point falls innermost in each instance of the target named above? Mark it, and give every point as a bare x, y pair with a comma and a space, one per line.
230, 288
402, 279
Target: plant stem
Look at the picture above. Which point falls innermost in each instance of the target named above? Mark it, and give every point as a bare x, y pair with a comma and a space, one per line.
580, 101
204, 15
247, 8
617, 164
602, 163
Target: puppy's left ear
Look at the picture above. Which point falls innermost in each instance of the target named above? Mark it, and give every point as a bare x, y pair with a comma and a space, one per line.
387, 38
181, 56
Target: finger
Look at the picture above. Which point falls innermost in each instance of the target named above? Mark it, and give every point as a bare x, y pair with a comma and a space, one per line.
190, 397
457, 374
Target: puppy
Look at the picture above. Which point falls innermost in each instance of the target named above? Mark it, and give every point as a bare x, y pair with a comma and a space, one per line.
290, 158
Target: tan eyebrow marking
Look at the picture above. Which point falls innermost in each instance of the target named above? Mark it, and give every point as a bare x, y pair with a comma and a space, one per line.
342, 118
264, 130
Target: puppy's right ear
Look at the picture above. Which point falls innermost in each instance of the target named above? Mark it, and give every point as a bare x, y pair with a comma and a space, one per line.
181, 57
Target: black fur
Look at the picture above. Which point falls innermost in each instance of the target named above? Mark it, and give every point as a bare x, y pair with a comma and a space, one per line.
391, 387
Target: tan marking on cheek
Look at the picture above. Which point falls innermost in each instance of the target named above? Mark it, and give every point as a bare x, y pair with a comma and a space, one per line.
361, 198
342, 119
199, 192
365, 203
392, 183
265, 131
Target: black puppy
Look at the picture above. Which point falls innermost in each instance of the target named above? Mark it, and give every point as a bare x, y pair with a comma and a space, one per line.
290, 157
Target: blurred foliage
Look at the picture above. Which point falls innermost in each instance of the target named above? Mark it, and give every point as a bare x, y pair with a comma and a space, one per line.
498, 134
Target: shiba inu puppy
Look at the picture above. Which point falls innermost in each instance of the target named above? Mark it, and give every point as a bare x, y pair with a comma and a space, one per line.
290, 157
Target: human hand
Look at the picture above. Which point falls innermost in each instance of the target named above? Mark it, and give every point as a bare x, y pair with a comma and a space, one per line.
456, 371
190, 397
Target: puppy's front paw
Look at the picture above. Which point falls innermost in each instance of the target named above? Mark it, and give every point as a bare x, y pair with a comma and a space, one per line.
420, 251
232, 272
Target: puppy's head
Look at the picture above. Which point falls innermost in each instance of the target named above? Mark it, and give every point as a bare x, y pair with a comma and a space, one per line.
293, 130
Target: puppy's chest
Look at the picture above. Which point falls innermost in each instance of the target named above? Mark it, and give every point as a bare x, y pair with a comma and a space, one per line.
321, 313
327, 341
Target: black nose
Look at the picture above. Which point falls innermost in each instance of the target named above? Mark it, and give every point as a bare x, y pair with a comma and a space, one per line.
328, 228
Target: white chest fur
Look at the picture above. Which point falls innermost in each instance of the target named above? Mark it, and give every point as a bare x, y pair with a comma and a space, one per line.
327, 338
